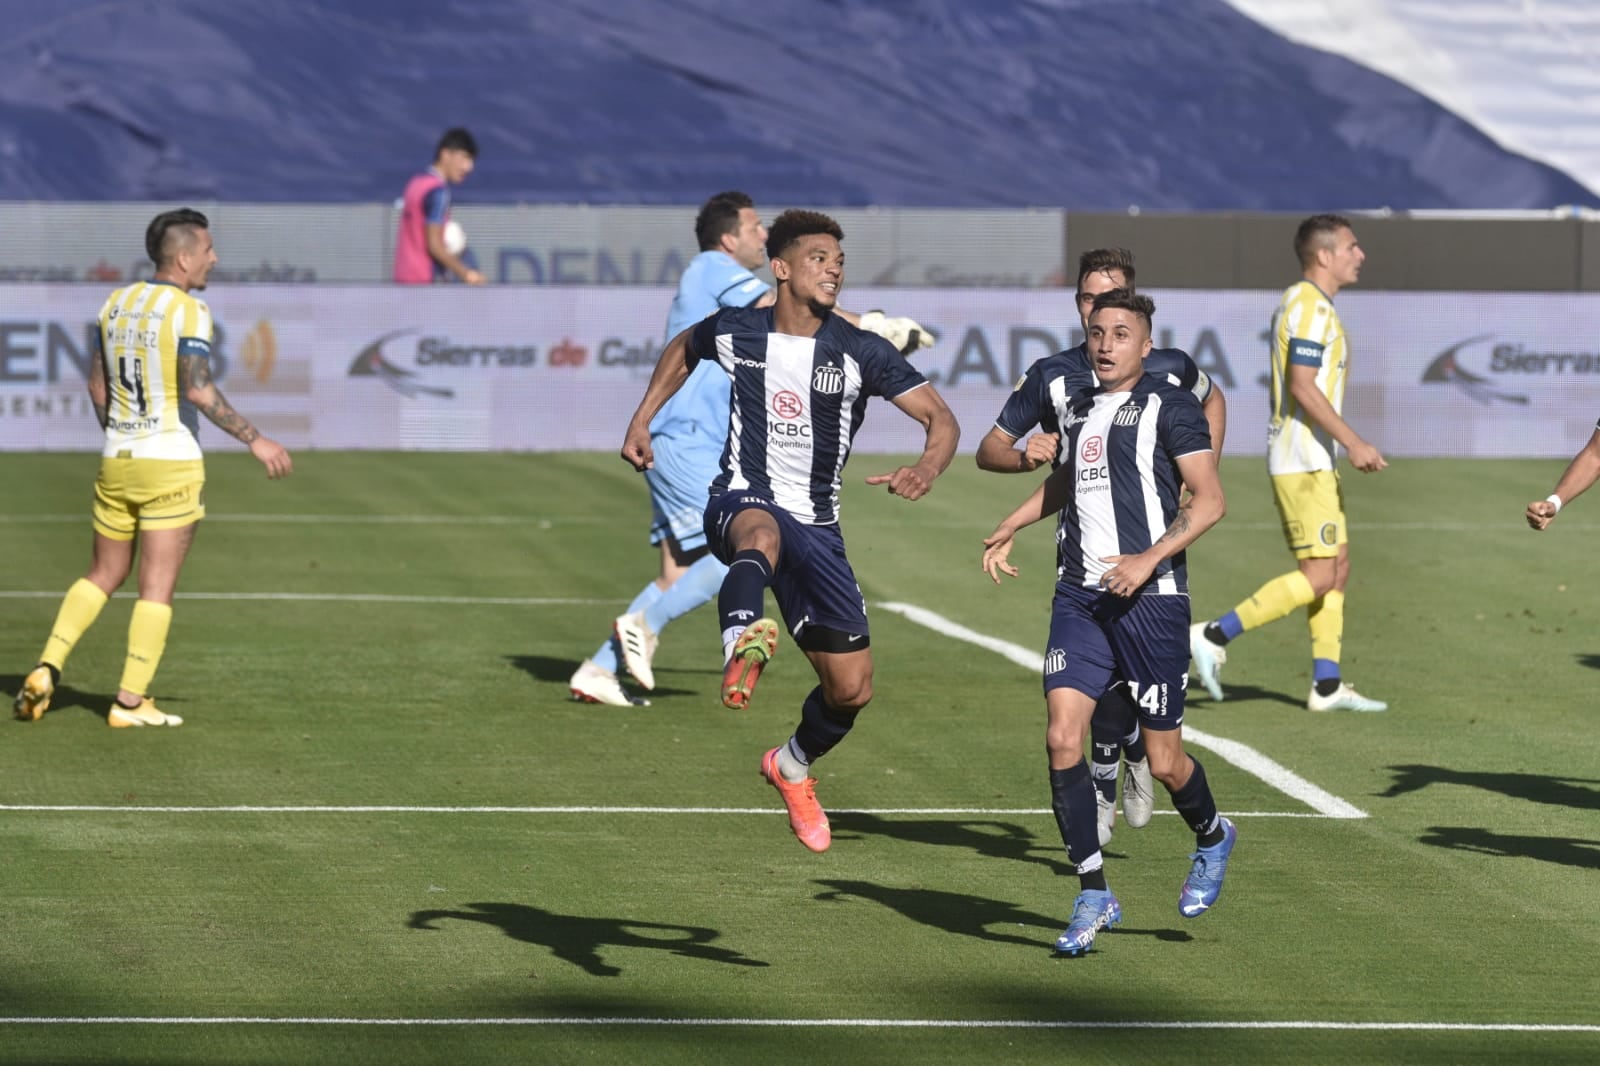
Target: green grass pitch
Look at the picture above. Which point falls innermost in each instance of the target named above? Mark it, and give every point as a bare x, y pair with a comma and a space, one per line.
395, 632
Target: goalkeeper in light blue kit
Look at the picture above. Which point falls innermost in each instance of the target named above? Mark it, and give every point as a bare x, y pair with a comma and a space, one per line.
688, 436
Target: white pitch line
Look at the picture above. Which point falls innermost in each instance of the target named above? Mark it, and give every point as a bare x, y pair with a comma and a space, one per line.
1243, 756
845, 1023
546, 521
888, 812
346, 597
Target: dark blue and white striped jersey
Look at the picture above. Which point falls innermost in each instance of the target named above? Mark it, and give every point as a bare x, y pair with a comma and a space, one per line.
796, 403
1121, 450
1043, 393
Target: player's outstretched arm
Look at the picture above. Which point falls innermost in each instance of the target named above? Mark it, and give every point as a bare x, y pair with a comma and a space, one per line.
998, 451
926, 406
1048, 498
194, 376
671, 371
1204, 509
1581, 473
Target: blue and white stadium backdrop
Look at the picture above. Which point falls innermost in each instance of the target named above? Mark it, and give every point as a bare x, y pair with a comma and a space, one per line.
531, 369
536, 244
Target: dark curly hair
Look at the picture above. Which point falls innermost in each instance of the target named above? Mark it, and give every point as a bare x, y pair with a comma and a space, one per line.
792, 225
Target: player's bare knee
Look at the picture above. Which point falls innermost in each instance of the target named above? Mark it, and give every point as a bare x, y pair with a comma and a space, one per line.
1063, 746
755, 530
1322, 576
107, 579
1169, 763
1172, 775
848, 695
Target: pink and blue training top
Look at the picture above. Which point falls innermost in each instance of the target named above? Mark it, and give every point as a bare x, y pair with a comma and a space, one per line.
426, 202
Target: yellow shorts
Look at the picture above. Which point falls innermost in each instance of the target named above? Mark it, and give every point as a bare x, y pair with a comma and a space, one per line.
1312, 508
132, 494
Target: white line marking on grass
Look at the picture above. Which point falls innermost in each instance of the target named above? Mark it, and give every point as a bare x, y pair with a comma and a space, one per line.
1243, 756
346, 597
848, 1023
571, 520
890, 812
1278, 776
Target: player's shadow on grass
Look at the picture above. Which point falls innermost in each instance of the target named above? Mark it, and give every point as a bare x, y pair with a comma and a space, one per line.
559, 671
964, 915
1540, 788
1199, 701
953, 912
1565, 851
997, 840
578, 939
1592, 661
65, 697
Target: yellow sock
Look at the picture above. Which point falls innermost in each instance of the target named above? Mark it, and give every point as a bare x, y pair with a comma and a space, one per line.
79, 609
1327, 626
147, 639
1275, 599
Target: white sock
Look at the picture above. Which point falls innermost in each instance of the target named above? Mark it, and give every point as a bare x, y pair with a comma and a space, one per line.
730, 637
792, 762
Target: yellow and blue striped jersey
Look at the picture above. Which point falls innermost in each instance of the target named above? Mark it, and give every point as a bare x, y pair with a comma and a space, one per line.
1306, 331
144, 328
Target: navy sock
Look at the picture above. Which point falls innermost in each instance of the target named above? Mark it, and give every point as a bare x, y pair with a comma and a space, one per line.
1107, 754
743, 590
1116, 714
1133, 745
1072, 799
1194, 802
821, 726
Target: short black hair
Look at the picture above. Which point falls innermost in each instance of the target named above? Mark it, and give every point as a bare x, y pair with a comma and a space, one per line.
792, 225
1103, 261
718, 217
458, 138
1317, 232
179, 224
1126, 300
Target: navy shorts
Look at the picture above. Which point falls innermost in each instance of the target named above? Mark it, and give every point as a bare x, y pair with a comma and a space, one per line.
1097, 639
813, 584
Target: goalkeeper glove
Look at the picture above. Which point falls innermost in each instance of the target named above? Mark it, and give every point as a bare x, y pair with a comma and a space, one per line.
904, 333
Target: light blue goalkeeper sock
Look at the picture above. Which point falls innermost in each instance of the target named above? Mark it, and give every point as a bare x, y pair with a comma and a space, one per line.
609, 657
698, 586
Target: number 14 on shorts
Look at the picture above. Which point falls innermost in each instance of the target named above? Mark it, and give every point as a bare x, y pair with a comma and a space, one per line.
1151, 698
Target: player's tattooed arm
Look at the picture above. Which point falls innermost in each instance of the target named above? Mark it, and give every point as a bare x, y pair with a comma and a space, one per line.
97, 387
1129, 573
194, 374
1180, 525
